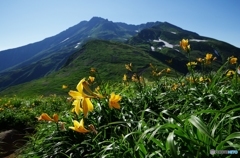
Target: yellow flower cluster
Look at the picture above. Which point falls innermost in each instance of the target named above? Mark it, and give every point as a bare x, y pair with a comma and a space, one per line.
128, 66
175, 86
135, 77
82, 103
191, 64
206, 79
207, 60
233, 61
191, 79
155, 71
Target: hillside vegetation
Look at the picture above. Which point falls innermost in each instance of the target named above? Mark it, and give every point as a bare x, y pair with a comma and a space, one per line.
108, 57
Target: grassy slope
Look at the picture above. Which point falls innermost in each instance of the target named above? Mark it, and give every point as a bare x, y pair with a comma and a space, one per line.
108, 57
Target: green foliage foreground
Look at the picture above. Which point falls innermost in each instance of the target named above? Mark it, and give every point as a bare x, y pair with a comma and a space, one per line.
171, 117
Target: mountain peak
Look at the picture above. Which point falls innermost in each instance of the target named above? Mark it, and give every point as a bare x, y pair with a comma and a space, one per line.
97, 19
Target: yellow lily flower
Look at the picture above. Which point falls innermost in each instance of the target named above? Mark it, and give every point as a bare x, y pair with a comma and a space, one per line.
190, 79
91, 79
134, 77
82, 101
184, 44
124, 77
79, 127
81, 87
201, 79
230, 73
64, 86
82, 105
174, 86
168, 70
208, 56
199, 60
46, 117
128, 66
208, 59
233, 60
93, 70
113, 101
191, 64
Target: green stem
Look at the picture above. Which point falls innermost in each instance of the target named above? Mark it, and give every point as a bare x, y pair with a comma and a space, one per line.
57, 126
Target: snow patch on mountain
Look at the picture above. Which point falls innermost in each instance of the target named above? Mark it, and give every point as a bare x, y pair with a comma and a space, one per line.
65, 40
216, 52
153, 49
166, 44
77, 45
177, 50
174, 32
198, 40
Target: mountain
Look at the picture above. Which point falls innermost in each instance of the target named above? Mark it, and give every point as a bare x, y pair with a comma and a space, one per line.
41, 58
72, 38
121, 44
163, 39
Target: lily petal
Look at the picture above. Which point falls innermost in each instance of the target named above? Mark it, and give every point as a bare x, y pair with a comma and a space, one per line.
75, 94
55, 118
89, 104
77, 107
84, 107
45, 117
80, 86
76, 124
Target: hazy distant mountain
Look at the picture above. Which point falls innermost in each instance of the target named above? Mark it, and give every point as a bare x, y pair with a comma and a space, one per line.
157, 41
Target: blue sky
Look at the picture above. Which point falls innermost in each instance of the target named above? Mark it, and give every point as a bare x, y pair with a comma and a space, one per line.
28, 21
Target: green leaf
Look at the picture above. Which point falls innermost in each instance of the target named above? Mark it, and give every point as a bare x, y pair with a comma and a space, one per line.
142, 149
157, 142
173, 116
170, 145
200, 126
235, 135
